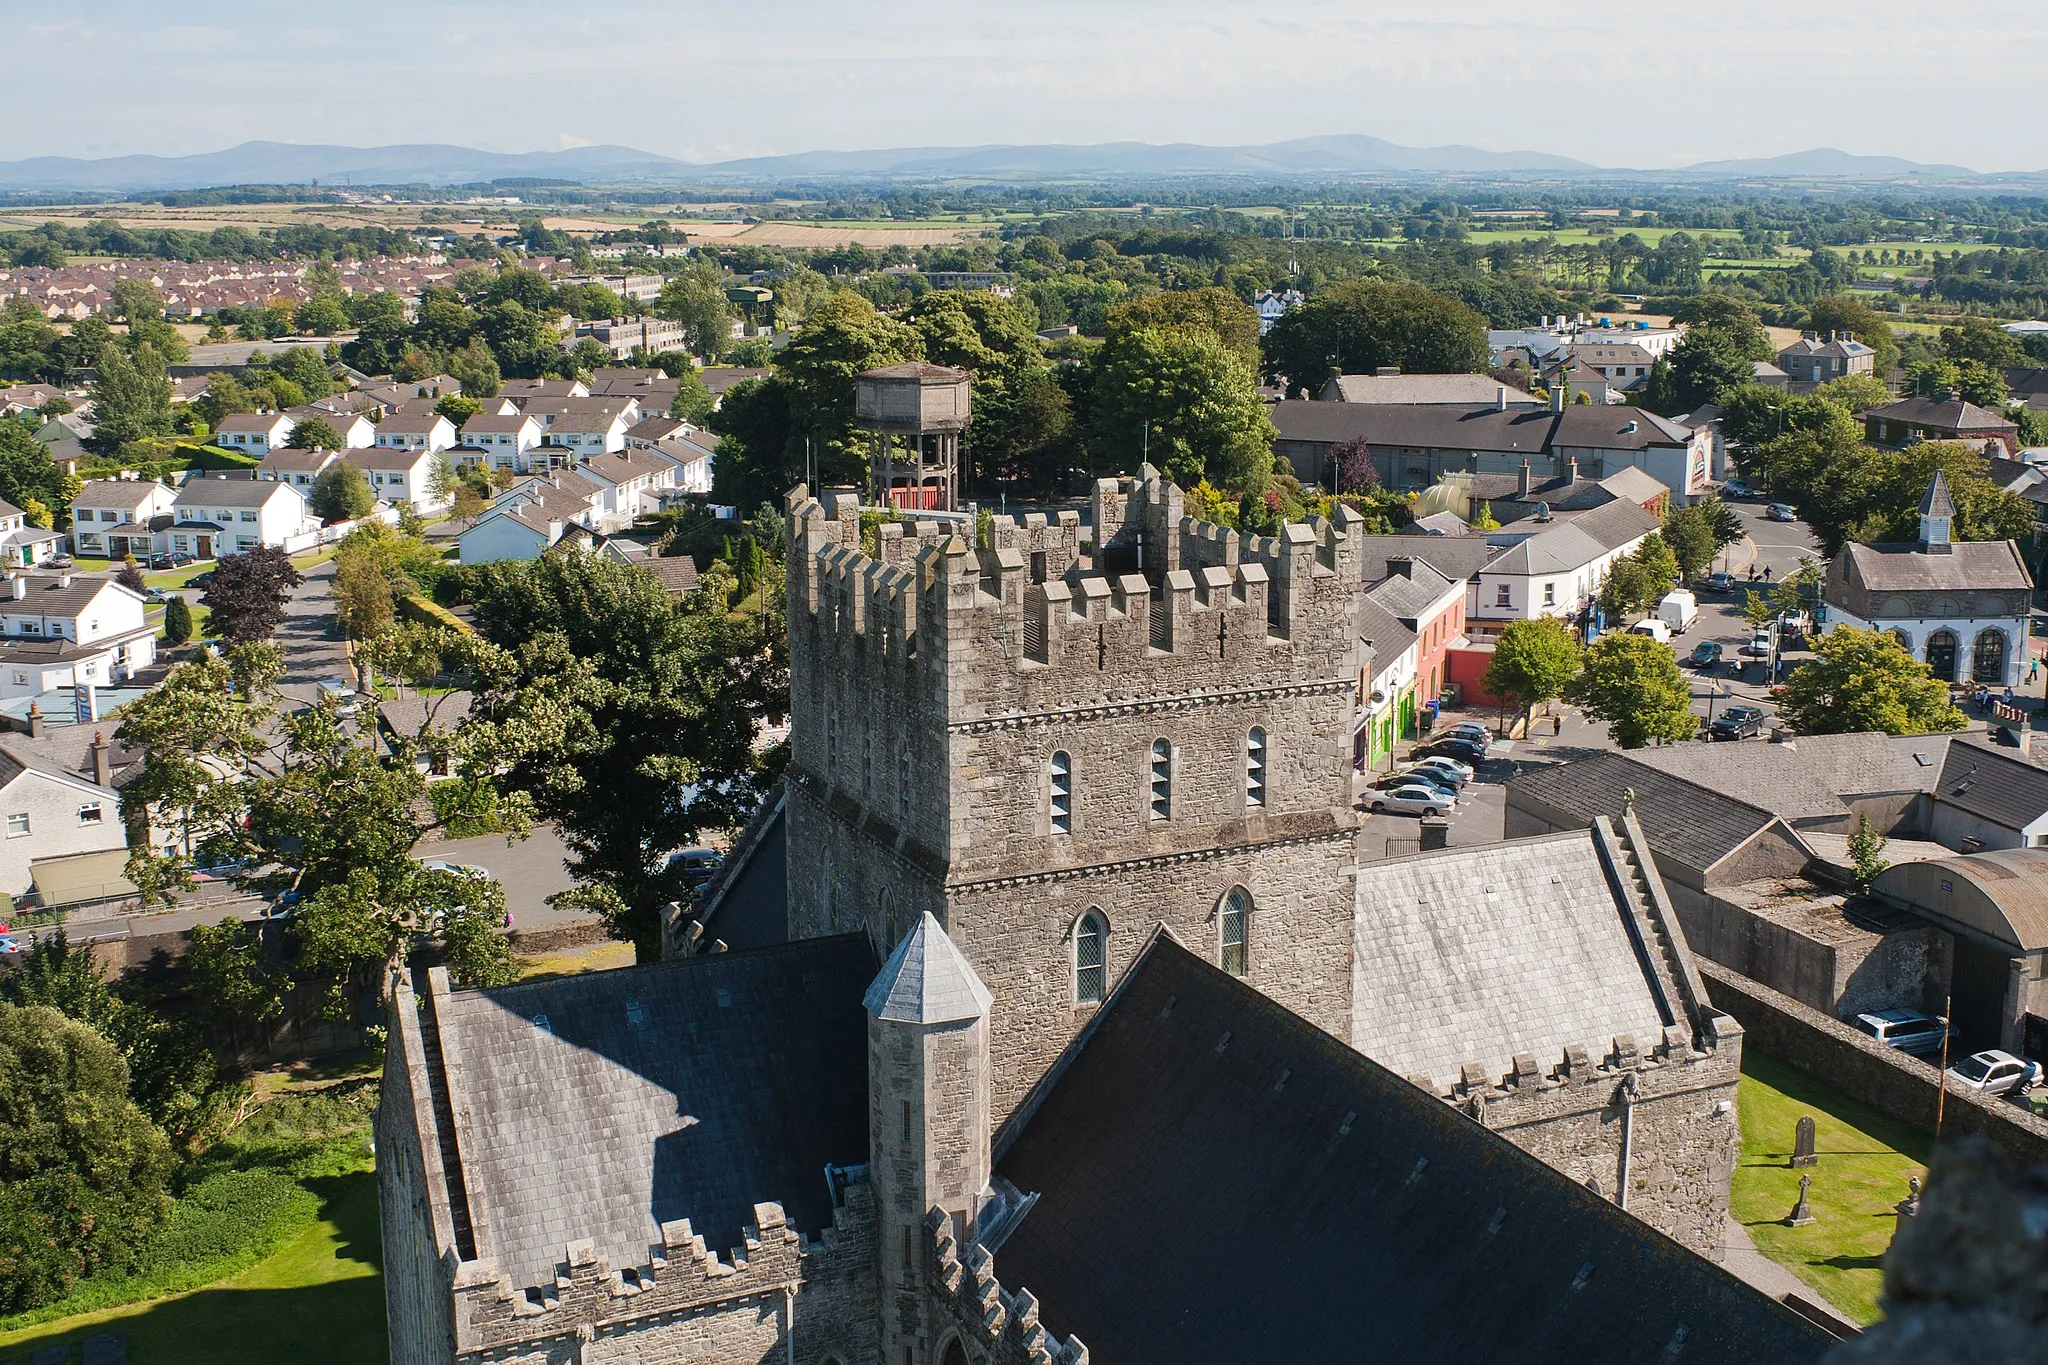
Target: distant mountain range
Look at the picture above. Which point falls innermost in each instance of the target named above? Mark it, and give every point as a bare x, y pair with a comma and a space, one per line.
265, 163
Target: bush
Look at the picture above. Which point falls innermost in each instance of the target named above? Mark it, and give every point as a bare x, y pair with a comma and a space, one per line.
177, 620
428, 613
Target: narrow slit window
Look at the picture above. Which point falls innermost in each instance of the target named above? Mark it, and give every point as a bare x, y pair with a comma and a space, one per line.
1062, 801
1091, 959
1255, 767
1162, 780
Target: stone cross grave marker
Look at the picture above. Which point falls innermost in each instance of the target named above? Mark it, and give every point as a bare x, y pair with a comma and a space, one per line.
1801, 1215
1802, 1143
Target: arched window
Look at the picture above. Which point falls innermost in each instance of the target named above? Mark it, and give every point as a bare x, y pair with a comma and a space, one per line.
1061, 807
955, 1353
1234, 922
1941, 655
903, 791
1091, 958
1162, 780
1988, 657
885, 920
1255, 767
831, 741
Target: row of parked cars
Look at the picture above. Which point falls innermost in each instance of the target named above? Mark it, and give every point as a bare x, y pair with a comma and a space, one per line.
1991, 1072
1433, 783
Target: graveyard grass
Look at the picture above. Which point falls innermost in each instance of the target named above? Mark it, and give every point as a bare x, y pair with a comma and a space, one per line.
1865, 1161
318, 1301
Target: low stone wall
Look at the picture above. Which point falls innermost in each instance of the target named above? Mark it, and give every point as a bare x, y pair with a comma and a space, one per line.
1882, 1077
555, 938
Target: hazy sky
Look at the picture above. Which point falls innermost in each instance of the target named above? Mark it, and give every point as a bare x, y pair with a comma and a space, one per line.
1636, 84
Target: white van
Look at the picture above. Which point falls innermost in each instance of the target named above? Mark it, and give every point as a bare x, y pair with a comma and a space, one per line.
1678, 610
1653, 628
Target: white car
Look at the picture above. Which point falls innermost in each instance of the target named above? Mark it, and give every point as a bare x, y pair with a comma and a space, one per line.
1448, 766
339, 692
1414, 799
459, 869
1994, 1073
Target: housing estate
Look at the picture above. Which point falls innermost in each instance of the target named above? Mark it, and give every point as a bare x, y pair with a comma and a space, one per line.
119, 517
23, 546
215, 516
60, 630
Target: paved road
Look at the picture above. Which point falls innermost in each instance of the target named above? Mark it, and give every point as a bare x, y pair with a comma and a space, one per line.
530, 870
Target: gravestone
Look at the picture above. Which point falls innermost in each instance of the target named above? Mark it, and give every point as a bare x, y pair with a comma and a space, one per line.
1801, 1215
1909, 1207
1802, 1143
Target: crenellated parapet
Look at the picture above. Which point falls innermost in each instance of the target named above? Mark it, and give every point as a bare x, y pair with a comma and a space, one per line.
1002, 1326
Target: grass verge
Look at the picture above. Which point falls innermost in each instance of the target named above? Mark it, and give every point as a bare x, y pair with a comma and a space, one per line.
1865, 1161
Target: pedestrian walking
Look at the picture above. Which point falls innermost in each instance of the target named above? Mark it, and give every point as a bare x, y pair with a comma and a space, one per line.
1767, 573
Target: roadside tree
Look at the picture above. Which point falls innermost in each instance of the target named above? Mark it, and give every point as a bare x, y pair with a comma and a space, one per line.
247, 595
1862, 680
1632, 682
1533, 662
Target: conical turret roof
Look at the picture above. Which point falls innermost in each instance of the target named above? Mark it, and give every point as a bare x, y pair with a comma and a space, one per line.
926, 981
1937, 503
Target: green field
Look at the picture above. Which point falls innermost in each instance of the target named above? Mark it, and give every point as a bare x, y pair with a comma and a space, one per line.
1865, 1160
1573, 236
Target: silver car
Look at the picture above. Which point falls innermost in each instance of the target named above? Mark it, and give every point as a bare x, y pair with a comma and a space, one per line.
1994, 1073
1412, 799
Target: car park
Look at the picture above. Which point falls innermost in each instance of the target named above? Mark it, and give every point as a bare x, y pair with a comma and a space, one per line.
1411, 799
1450, 767
1906, 1030
1779, 511
1737, 722
1459, 747
1705, 655
1994, 1073
1435, 781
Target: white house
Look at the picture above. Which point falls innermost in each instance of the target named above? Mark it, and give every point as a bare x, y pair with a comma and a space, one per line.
220, 516
630, 485
23, 546
692, 454
254, 432
399, 474
417, 429
47, 813
499, 440
112, 517
585, 426
1553, 569
58, 630
531, 516
299, 468
353, 428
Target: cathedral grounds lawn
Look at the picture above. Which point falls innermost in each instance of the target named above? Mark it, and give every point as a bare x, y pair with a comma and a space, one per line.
1865, 1160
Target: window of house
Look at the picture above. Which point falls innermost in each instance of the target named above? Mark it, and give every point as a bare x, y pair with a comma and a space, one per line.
1062, 805
1502, 596
1091, 959
1162, 780
89, 813
17, 825
1255, 767
1234, 925
1550, 594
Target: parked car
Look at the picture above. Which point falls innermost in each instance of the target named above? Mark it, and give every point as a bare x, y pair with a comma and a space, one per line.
459, 869
1759, 642
1994, 1073
1779, 511
1422, 777
199, 580
1459, 747
698, 865
180, 560
1470, 729
1412, 799
59, 562
1705, 655
1737, 488
154, 596
160, 561
338, 691
1459, 772
9, 944
1737, 722
1906, 1030
1654, 628
1720, 584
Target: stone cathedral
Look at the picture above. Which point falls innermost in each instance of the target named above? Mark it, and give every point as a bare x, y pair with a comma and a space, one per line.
1079, 1030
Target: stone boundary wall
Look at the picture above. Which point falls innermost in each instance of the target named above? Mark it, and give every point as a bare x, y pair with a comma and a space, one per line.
1882, 1077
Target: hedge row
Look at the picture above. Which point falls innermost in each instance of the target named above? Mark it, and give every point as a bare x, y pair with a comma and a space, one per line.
429, 613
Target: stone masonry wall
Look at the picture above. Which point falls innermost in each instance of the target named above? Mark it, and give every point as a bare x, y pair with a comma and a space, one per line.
992, 1325
1677, 1104
689, 1303
416, 1303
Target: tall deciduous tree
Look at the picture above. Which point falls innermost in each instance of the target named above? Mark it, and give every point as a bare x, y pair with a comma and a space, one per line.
1182, 398
1533, 662
131, 397
696, 299
1362, 324
1865, 680
342, 493
248, 593
1632, 682
315, 433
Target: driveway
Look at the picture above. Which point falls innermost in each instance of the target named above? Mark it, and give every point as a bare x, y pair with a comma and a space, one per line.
310, 635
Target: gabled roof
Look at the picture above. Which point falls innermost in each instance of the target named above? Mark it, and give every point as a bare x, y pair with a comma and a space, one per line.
491, 423
2007, 791
1426, 388
1382, 630
1694, 825
1810, 778
387, 458
222, 492
56, 594
253, 423
122, 493
1559, 549
1410, 588
1458, 558
292, 460
1219, 1180
606, 1104
411, 422
1969, 565
1943, 414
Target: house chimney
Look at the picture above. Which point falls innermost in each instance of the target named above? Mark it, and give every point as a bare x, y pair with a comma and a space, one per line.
1522, 485
63, 580
102, 760
1571, 469
19, 584
1500, 398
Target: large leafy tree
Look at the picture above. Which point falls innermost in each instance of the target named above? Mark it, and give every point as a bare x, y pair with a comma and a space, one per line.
1182, 397
28, 474
1018, 409
1862, 680
696, 299
342, 493
1697, 531
660, 704
1632, 682
1359, 325
1218, 312
131, 397
248, 593
82, 1170
1533, 662
1733, 323
315, 433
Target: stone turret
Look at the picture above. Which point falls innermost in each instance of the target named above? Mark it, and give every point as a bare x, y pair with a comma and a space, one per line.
928, 1120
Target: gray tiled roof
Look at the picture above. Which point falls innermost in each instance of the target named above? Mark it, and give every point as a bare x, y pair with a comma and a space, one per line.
1809, 778
1481, 953
608, 1103
1219, 1180
1382, 630
1693, 825
1947, 414
1427, 388
927, 981
2005, 790
1559, 549
1458, 558
1968, 565
1407, 595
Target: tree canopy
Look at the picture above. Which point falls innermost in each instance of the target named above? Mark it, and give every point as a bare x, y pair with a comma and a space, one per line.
1533, 662
1632, 682
1359, 325
1865, 680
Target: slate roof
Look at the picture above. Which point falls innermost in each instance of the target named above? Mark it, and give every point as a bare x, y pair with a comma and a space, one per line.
1944, 414
126, 494
1937, 503
1382, 630
749, 908
1458, 558
1219, 1180
719, 378
1408, 595
608, 1103
678, 573
1476, 955
1968, 565
1426, 388
1558, 549
230, 492
1808, 778
291, 460
52, 595
2007, 791
1695, 826
926, 981
251, 423
412, 422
